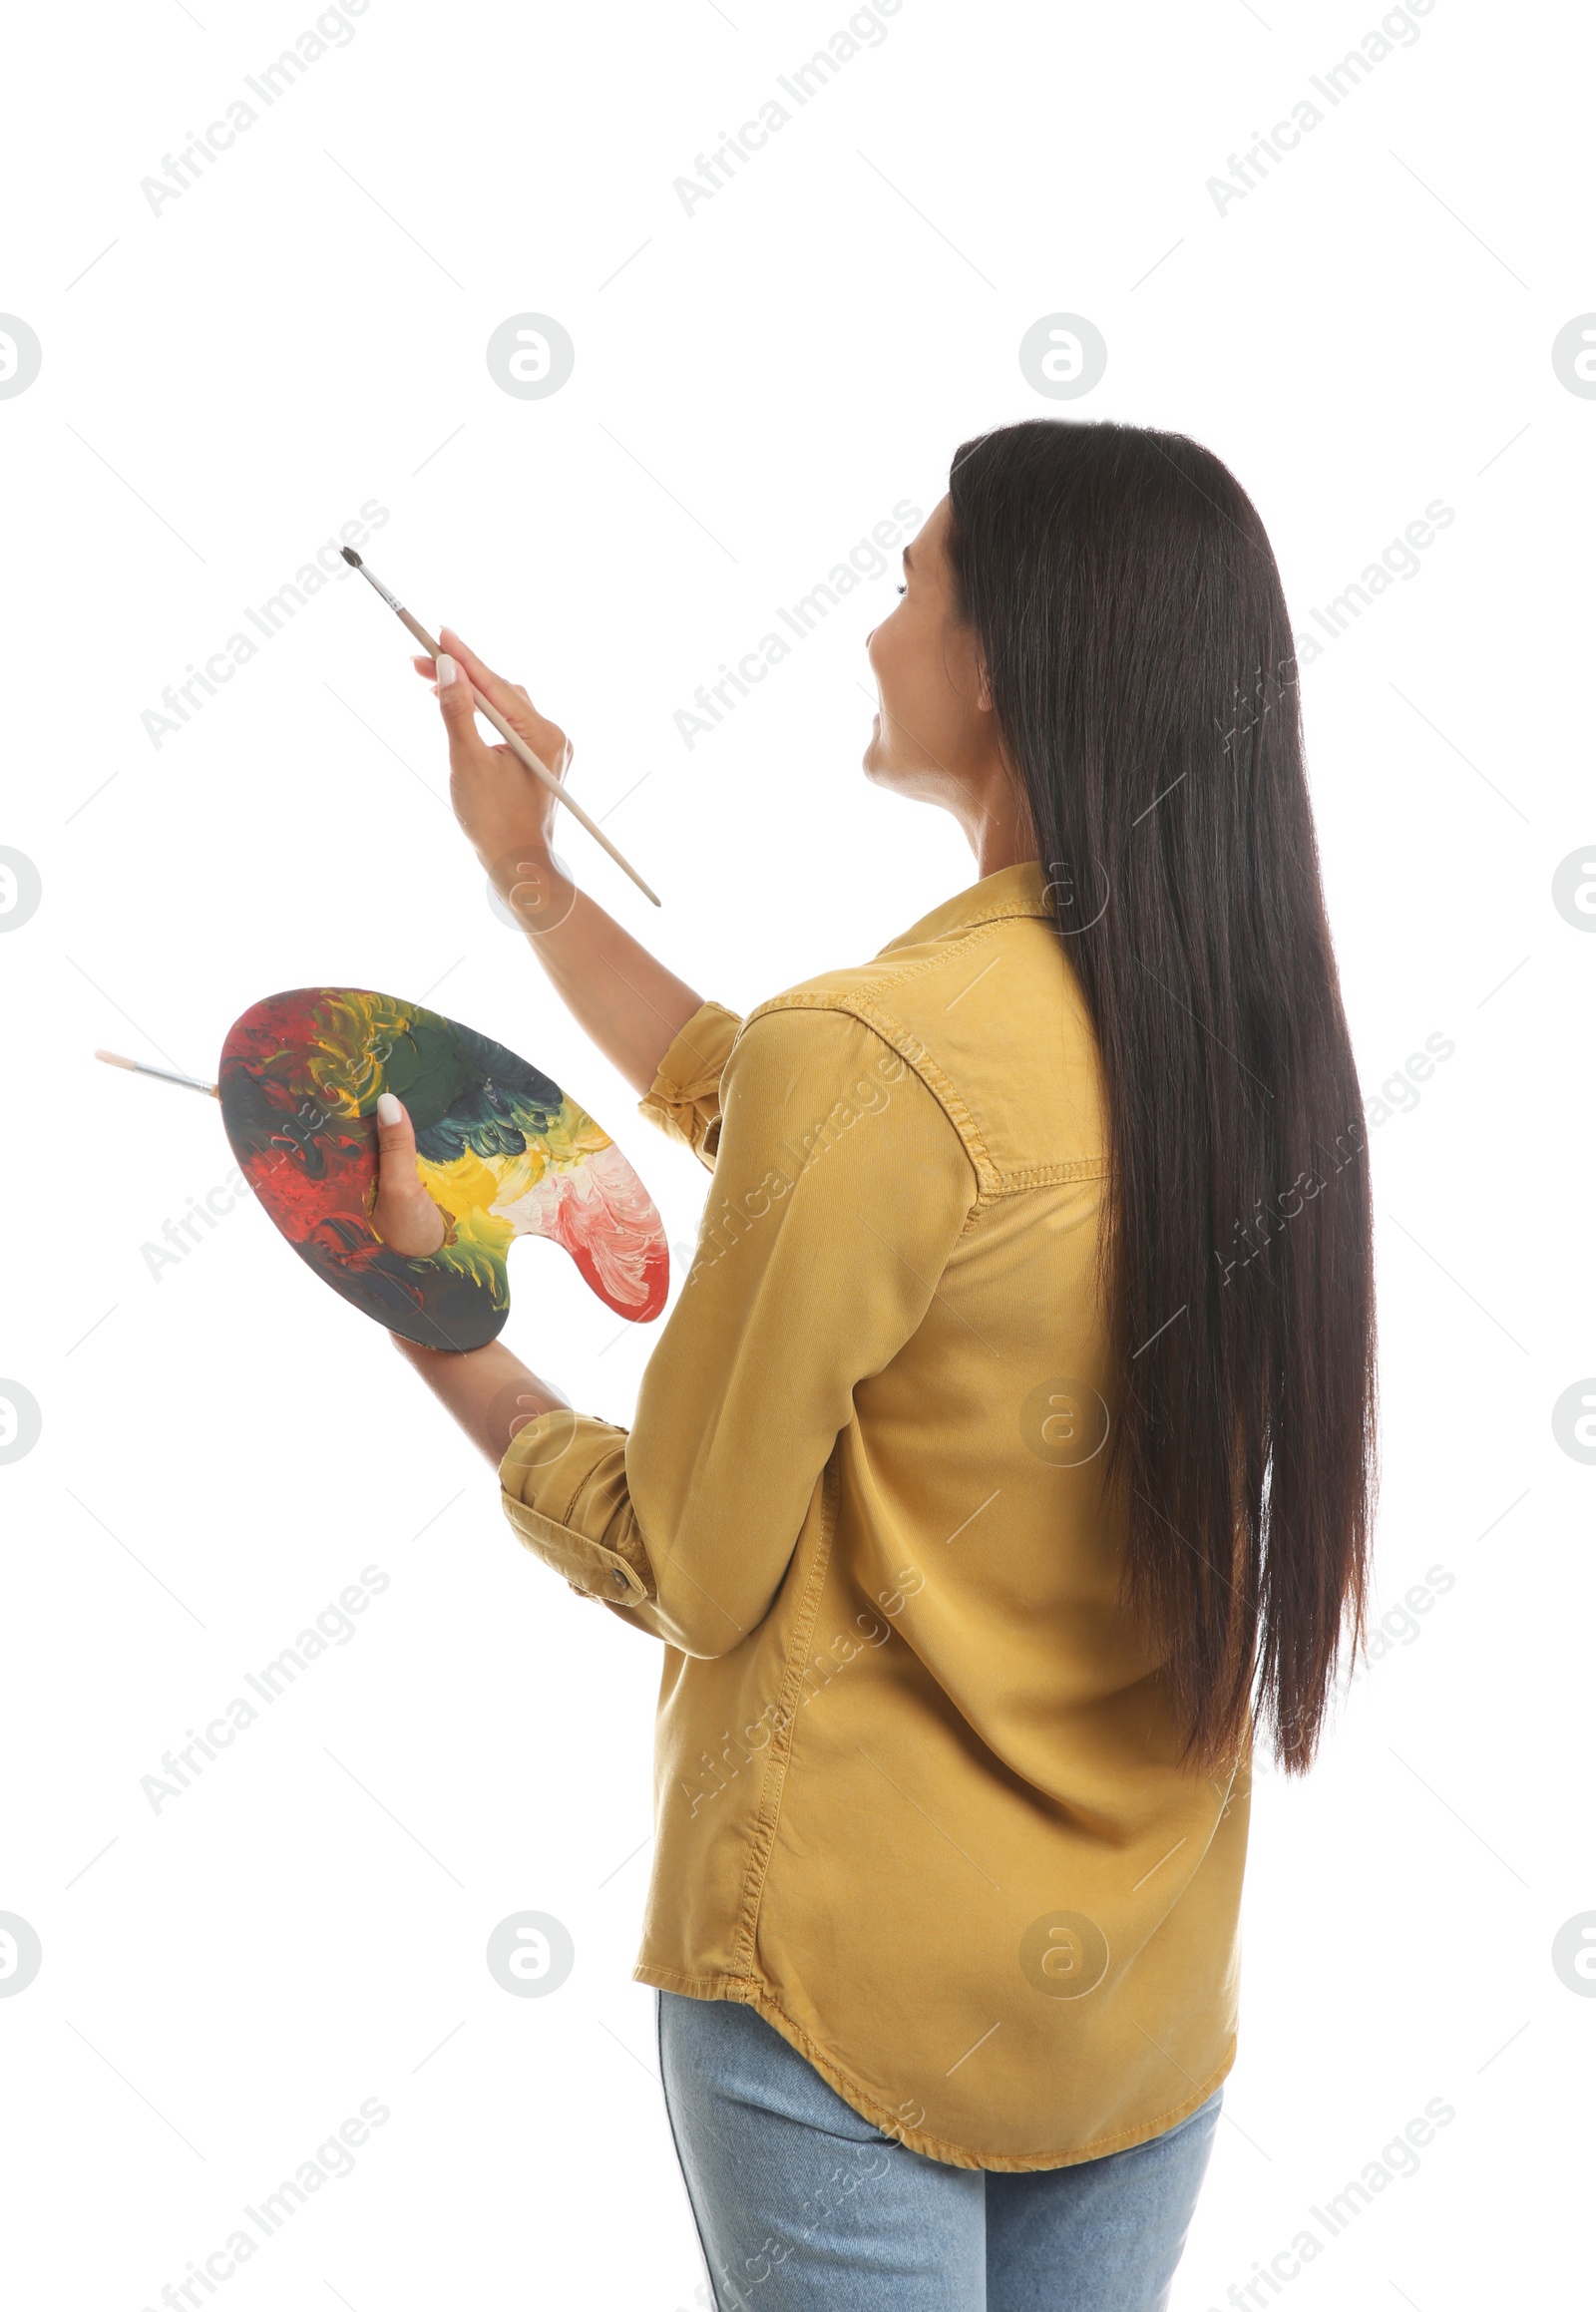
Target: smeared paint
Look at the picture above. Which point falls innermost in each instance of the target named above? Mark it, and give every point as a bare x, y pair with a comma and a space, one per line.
500, 1146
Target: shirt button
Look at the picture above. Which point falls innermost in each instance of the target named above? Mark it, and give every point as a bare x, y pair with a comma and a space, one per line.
618, 1576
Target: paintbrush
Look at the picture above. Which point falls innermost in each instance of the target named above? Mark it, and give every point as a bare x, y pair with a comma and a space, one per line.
142, 1067
516, 743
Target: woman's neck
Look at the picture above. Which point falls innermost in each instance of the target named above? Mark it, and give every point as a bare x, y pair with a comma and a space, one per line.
999, 831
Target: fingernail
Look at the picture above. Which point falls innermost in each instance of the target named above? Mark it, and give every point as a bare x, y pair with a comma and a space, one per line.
388, 1109
446, 668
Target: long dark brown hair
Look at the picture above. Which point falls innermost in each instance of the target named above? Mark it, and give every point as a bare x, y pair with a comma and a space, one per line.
1136, 638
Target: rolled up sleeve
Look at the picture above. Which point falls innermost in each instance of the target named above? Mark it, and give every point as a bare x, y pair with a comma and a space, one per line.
840, 1189
684, 1097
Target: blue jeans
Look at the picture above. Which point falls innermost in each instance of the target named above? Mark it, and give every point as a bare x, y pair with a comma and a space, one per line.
800, 2202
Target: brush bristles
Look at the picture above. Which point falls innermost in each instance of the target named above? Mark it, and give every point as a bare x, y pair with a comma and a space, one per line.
350, 557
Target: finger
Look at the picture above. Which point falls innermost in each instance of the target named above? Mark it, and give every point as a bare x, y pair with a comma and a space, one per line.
468, 753
456, 703
510, 698
405, 1216
396, 1139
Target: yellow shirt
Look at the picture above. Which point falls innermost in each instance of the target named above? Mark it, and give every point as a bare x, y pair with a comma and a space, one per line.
917, 1790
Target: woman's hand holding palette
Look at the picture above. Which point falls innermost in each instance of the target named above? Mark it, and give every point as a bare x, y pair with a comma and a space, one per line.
501, 1148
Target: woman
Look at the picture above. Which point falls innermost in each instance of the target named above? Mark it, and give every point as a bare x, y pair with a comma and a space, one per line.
1010, 1443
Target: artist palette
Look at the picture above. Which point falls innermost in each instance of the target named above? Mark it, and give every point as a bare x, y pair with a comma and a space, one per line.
503, 1151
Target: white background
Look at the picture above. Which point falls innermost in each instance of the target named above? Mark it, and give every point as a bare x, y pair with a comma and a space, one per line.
224, 1448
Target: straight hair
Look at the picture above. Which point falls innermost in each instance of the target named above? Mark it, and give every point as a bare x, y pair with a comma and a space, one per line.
1143, 677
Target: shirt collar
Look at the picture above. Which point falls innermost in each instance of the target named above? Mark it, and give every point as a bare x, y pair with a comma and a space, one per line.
1012, 891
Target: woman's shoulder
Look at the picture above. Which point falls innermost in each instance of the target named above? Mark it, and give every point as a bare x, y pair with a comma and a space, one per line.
988, 1016
1007, 975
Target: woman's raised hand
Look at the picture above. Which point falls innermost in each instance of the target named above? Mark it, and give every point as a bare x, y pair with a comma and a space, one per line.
497, 800
617, 992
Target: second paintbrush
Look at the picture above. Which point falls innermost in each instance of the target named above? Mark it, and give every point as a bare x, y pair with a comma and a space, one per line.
512, 739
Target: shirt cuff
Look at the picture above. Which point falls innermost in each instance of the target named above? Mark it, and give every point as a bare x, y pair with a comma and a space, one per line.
684, 1099
564, 1490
